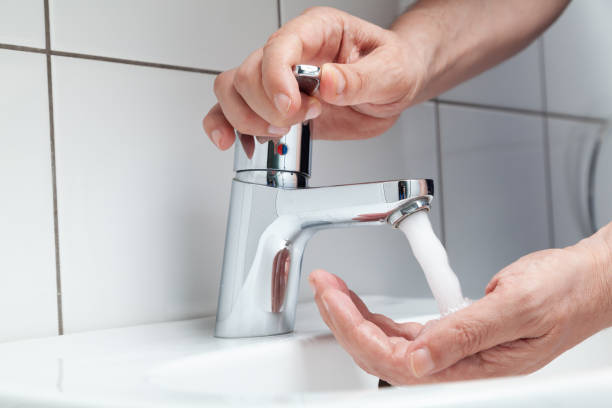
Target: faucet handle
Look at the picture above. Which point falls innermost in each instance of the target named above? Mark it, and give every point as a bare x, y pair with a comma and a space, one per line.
283, 162
308, 78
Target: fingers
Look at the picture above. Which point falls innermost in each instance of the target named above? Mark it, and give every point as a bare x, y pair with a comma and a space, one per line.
391, 328
248, 83
379, 78
342, 123
220, 131
480, 326
522, 356
470, 368
234, 108
262, 97
371, 348
244, 106
321, 281
312, 37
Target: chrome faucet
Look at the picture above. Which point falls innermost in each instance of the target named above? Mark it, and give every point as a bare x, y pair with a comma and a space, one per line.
273, 214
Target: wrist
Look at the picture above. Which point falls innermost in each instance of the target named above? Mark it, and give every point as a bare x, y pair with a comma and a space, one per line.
420, 42
604, 236
598, 247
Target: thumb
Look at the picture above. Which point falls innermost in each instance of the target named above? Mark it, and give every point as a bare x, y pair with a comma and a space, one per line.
480, 326
373, 79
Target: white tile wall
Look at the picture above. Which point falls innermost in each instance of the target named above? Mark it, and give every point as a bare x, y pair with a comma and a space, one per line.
142, 193
208, 34
22, 22
515, 83
494, 191
375, 259
28, 301
572, 146
578, 59
381, 12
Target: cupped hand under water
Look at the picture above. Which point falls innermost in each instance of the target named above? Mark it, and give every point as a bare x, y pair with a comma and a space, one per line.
534, 310
369, 75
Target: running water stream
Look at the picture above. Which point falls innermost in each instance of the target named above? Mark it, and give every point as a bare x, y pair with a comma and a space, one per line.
431, 255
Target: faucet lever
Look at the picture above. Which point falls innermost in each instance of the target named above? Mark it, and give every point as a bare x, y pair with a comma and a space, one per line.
283, 162
308, 78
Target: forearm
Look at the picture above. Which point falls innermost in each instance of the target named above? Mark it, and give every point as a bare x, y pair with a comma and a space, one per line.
458, 39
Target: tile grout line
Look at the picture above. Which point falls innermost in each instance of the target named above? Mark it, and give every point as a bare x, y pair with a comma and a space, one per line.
278, 10
546, 134
543, 113
134, 62
439, 187
49, 51
58, 278
22, 48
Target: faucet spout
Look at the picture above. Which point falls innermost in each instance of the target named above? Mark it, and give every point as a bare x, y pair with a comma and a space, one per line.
353, 204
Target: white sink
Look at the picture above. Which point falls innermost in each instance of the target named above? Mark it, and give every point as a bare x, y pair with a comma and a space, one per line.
315, 364
181, 364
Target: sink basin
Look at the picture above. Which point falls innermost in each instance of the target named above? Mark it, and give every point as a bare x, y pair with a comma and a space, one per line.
317, 364
181, 364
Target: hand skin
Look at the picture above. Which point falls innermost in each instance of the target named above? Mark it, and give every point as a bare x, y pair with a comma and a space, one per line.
533, 310
369, 74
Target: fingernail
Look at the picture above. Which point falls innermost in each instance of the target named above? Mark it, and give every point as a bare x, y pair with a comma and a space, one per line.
421, 362
313, 111
282, 102
338, 79
216, 136
278, 130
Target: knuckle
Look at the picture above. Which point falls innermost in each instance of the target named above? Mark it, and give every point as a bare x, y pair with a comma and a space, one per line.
406, 84
219, 84
280, 121
530, 297
246, 122
245, 130
273, 38
206, 121
241, 80
527, 300
280, 37
251, 124
469, 336
315, 10
360, 82
492, 363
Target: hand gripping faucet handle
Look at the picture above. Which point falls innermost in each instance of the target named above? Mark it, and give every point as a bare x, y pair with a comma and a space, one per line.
282, 162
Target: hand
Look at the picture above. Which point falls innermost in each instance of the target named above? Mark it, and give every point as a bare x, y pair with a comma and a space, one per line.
369, 75
533, 310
